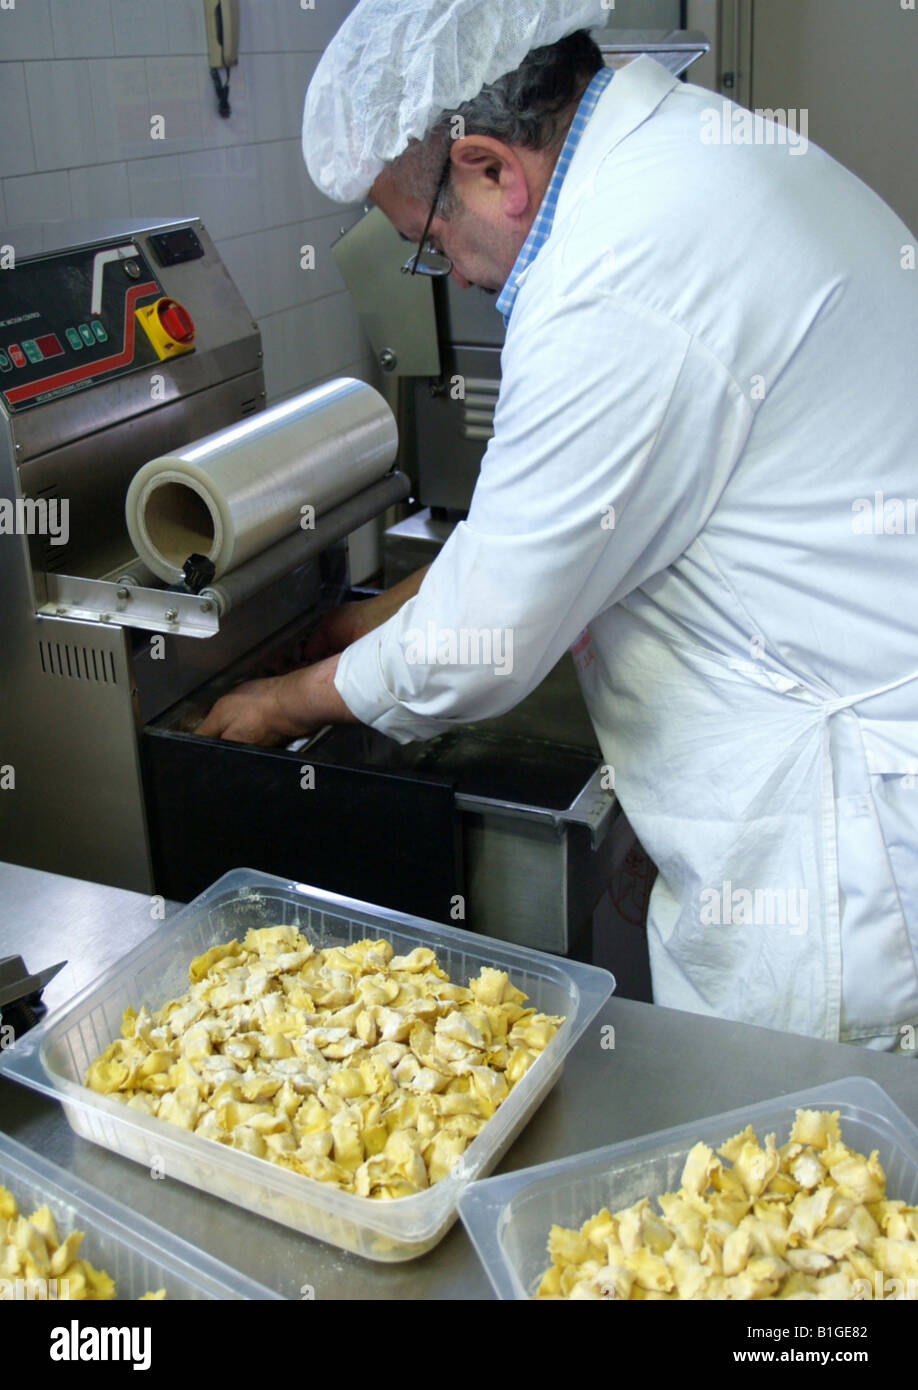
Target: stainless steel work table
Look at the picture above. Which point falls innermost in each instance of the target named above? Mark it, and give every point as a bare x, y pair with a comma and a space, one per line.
666, 1068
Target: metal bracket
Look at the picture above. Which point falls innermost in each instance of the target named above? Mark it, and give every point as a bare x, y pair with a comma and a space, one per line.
593, 807
124, 605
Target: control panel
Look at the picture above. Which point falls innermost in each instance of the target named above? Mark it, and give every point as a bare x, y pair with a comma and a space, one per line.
71, 320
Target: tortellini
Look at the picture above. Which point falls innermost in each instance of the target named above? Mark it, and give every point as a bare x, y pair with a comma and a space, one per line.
351, 1065
805, 1221
36, 1263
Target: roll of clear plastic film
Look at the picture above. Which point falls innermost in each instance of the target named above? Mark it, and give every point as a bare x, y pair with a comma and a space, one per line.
233, 494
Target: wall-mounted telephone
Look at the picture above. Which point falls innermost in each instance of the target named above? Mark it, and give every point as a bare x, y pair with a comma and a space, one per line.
221, 20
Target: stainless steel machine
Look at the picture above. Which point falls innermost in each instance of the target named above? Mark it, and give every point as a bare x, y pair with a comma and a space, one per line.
107, 669
119, 344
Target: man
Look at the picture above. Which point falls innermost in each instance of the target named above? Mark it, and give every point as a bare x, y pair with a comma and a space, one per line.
700, 479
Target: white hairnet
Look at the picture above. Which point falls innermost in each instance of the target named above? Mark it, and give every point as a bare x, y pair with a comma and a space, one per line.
395, 65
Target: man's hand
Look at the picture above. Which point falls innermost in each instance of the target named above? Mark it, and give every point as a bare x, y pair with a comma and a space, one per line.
279, 708
249, 714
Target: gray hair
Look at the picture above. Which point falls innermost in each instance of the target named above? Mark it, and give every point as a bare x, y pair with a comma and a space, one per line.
525, 107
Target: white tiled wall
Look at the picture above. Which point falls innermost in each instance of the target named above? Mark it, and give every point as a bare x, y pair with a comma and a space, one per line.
81, 80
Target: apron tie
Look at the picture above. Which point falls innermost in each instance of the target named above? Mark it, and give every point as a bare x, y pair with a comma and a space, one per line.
831, 707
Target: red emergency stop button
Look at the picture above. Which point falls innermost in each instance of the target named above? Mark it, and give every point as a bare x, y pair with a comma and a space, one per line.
169, 327
176, 320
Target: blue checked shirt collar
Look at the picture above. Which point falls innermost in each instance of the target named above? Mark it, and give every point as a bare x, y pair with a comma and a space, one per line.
540, 230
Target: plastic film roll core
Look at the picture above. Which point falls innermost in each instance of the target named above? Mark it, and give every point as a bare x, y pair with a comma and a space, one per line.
233, 494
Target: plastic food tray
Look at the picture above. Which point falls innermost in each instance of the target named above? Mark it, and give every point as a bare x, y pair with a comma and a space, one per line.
53, 1058
509, 1218
140, 1257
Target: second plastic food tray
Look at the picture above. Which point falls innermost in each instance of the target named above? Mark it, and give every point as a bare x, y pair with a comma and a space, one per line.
509, 1218
53, 1058
140, 1257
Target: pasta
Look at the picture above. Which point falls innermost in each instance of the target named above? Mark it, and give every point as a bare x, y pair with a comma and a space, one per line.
351, 1065
805, 1221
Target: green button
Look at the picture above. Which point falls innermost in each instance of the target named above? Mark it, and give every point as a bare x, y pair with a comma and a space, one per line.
73, 338
99, 331
5, 363
31, 349
86, 334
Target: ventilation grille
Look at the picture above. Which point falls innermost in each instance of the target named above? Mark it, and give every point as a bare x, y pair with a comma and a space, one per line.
77, 663
249, 407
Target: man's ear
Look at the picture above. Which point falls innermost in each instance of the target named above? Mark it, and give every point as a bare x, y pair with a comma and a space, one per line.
483, 167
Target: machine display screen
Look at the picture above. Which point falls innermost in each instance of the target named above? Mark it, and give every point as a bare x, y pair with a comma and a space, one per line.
67, 321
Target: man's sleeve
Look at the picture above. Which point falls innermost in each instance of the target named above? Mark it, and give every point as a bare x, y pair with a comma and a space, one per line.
615, 434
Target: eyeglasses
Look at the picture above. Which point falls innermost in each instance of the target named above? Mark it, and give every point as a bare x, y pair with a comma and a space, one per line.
427, 260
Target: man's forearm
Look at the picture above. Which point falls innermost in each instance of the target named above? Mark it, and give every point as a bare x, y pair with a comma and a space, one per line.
276, 708
311, 691
407, 588
381, 607
308, 697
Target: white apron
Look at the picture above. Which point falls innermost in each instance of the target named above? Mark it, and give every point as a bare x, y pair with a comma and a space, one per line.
800, 886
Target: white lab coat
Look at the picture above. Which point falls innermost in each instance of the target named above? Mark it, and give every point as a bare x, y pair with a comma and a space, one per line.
719, 341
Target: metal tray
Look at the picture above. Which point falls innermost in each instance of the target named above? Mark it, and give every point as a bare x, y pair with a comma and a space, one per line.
53, 1058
